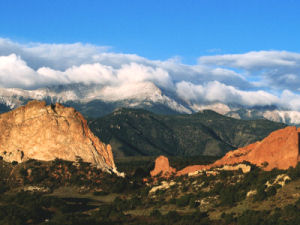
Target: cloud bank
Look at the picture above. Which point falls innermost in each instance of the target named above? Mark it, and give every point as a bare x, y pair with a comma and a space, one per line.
255, 78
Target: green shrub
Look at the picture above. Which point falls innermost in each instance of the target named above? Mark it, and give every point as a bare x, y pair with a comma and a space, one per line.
261, 194
155, 213
120, 204
172, 216
23, 172
271, 191
250, 217
228, 217
183, 200
294, 173
193, 203
100, 193
172, 201
3, 187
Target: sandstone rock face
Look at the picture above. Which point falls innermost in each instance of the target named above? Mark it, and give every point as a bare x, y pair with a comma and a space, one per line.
164, 185
191, 169
162, 167
279, 150
245, 168
41, 132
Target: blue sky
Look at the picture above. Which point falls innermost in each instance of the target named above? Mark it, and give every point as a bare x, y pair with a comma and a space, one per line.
157, 29
202, 51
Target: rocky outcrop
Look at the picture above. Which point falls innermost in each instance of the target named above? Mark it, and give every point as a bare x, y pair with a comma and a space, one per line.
279, 150
164, 185
162, 167
192, 169
38, 131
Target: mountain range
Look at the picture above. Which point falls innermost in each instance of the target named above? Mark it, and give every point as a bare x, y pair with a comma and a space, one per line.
137, 132
94, 100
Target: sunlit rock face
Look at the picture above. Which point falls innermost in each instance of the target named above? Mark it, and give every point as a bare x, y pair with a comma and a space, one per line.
279, 150
162, 167
38, 131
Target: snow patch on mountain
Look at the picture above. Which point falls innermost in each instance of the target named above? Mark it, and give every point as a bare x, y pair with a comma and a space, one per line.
133, 95
217, 107
288, 117
138, 95
14, 97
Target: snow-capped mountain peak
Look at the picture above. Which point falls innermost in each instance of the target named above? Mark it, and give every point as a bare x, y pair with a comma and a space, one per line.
137, 95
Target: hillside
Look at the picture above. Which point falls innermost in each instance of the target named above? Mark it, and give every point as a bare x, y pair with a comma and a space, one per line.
133, 132
64, 192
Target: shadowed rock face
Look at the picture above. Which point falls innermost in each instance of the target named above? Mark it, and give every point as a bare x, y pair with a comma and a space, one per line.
162, 167
279, 150
41, 132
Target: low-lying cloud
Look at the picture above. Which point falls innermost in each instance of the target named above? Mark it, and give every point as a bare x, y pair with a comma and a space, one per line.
250, 79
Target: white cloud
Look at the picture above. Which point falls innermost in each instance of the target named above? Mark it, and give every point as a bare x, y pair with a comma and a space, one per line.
134, 73
277, 70
254, 60
218, 92
248, 79
56, 56
15, 73
290, 100
61, 57
190, 92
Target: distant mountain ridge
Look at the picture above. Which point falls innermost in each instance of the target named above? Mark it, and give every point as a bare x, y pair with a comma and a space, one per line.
97, 100
137, 132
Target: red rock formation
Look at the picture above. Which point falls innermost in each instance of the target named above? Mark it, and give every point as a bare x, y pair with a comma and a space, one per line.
191, 169
162, 167
45, 132
279, 150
